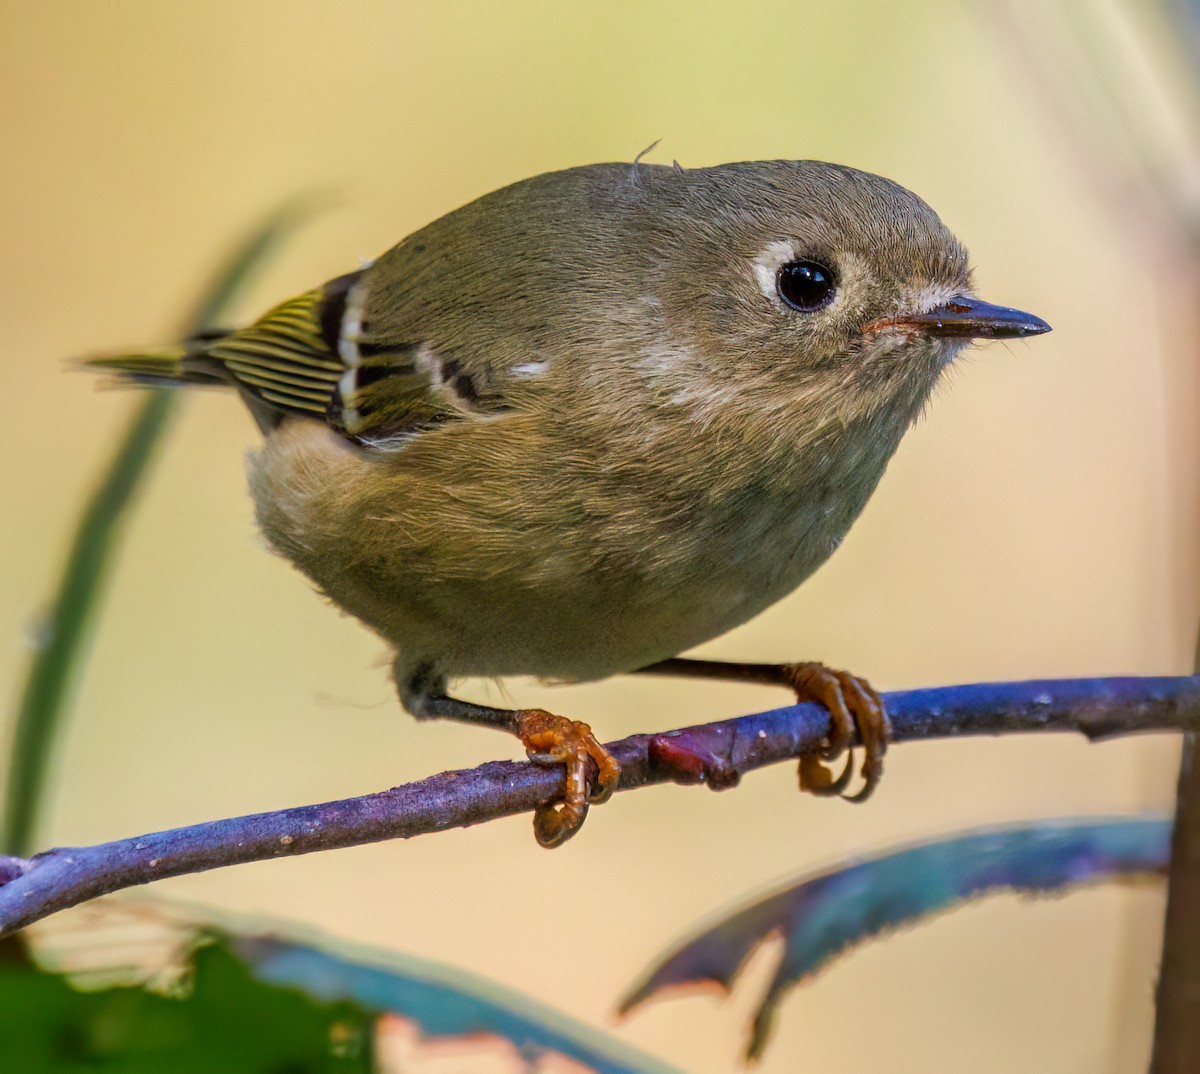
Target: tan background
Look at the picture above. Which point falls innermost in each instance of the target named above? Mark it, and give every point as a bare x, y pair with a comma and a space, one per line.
1040, 522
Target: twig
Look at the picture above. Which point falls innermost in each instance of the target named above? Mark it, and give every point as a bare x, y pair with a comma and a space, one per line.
717, 754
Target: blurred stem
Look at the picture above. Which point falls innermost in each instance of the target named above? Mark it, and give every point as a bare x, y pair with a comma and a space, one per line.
63, 637
1177, 1005
62, 644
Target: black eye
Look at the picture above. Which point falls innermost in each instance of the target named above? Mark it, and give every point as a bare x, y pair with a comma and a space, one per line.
805, 285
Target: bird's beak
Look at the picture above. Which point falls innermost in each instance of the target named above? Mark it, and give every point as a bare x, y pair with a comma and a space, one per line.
963, 317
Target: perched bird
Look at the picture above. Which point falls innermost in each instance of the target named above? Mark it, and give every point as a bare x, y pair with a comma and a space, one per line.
594, 419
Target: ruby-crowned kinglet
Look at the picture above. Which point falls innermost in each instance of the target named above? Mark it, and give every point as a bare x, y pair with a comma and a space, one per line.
596, 418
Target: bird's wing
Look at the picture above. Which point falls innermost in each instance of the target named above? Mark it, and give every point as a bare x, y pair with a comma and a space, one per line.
311, 356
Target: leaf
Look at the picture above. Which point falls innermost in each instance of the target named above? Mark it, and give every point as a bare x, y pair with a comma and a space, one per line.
123, 940
442, 1002
824, 915
65, 630
226, 1021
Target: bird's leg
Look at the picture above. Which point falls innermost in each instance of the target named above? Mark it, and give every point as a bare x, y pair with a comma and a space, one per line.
548, 739
852, 702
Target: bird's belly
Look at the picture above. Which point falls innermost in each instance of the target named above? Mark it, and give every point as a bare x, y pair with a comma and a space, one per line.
584, 621
492, 586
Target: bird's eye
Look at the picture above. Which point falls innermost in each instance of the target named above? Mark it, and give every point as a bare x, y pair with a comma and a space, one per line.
805, 285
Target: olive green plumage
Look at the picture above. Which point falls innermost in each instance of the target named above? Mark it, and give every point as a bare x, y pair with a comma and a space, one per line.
575, 427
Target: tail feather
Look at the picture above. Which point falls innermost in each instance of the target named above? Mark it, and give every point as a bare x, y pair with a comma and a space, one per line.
164, 367
287, 362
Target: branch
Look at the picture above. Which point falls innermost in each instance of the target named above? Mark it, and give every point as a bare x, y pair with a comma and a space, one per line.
716, 753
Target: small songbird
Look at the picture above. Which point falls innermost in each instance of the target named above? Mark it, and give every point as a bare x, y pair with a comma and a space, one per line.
596, 418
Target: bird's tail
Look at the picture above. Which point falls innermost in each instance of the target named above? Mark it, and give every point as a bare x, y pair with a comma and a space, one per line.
166, 367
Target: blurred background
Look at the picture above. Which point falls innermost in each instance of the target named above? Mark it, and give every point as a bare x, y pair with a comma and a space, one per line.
1040, 522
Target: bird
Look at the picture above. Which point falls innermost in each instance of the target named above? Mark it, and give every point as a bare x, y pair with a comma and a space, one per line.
595, 418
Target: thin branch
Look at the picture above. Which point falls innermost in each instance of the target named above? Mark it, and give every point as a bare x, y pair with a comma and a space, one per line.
717, 754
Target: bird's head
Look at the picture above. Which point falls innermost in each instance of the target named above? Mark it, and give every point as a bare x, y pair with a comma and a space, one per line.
818, 276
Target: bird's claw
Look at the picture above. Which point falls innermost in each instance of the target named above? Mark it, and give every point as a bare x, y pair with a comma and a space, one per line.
853, 704
555, 740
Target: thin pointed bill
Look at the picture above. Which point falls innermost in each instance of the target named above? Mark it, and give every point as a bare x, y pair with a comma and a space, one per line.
962, 317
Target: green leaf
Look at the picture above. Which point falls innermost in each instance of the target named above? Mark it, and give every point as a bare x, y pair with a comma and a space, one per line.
441, 1001
226, 1020
122, 942
824, 915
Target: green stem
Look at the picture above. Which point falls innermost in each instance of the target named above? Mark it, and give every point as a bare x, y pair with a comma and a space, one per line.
58, 661
63, 637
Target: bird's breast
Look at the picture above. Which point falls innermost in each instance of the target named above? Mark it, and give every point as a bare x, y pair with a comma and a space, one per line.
667, 564
495, 551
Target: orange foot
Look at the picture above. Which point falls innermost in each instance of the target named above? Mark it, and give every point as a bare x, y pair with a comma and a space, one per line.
852, 703
550, 740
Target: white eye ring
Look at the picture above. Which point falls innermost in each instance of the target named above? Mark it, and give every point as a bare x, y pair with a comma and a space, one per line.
767, 265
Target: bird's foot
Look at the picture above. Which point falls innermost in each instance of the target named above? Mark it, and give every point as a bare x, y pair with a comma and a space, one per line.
853, 704
554, 740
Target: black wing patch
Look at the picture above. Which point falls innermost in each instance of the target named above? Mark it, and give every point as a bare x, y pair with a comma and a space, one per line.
392, 393
289, 358
314, 355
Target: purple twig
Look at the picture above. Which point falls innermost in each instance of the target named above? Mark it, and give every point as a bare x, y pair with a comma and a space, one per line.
715, 753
